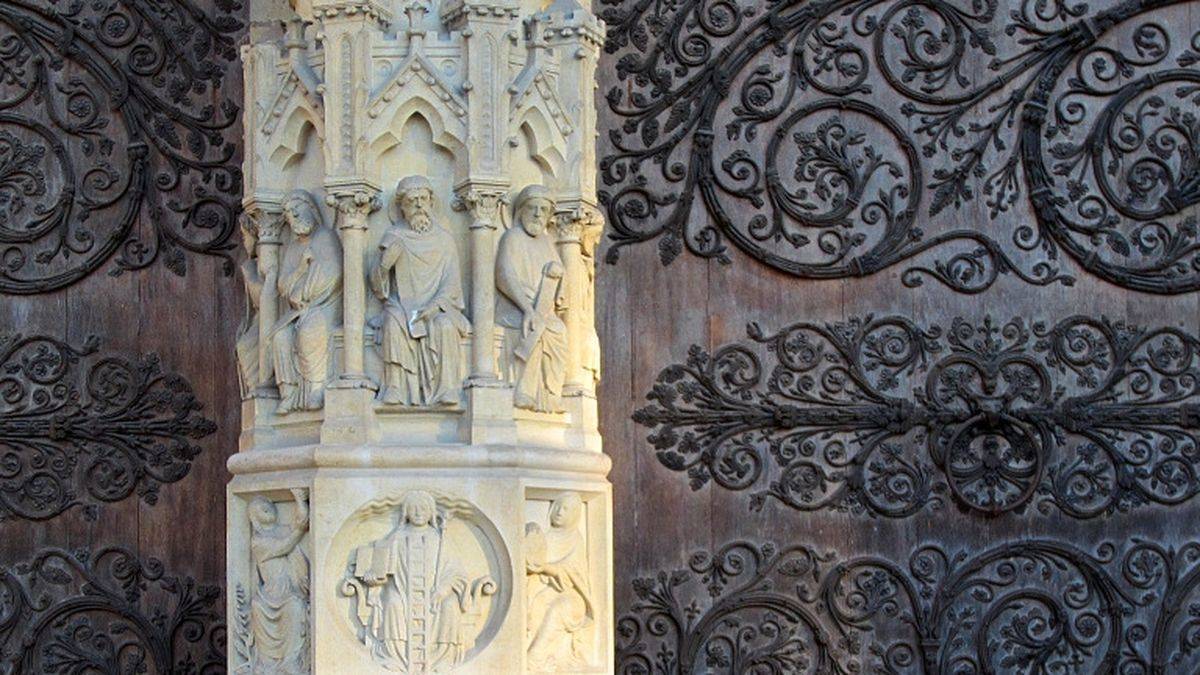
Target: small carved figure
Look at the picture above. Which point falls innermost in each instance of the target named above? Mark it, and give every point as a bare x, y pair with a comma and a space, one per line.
310, 282
279, 637
414, 598
419, 280
529, 274
247, 341
560, 610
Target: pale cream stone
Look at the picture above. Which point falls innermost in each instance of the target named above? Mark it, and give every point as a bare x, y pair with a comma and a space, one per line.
420, 236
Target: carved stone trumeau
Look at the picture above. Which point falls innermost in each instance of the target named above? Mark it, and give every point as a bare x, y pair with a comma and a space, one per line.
106, 610
116, 138
840, 138
886, 417
79, 428
421, 232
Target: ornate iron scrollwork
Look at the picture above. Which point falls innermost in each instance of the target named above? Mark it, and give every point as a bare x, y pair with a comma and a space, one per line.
116, 138
106, 611
1025, 606
883, 417
72, 433
814, 135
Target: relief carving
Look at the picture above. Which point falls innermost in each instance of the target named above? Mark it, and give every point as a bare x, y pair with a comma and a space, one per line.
419, 281
278, 636
419, 601
560, 613
249, 372
529, 274
310, 282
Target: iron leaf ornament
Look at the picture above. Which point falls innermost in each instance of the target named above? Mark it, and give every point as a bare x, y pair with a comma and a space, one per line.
117, 138
78, 428
1034, 605
107, 611
839, 138
883, 417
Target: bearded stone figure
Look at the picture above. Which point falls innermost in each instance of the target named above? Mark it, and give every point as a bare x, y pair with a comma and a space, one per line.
310, 283
529, 274
414, 597
279, 637
247, 341
560, 609
419, 281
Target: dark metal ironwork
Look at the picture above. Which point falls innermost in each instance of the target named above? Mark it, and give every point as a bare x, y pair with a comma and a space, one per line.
884, 417
106, 611
117, 137
76, 428
815, 136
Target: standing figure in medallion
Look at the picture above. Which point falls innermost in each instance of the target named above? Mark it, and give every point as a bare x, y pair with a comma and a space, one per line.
415, 603
279, 637
247, 341
310, 282
529, 274
419, 280
560, 611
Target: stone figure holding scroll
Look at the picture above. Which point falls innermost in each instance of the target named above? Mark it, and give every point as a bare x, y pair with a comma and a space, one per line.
279, 637
561, 614
419, 281
310, 283
414, 597
529, 275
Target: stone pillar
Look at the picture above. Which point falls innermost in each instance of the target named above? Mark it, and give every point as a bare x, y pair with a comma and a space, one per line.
483, 203
428, 523
353, 202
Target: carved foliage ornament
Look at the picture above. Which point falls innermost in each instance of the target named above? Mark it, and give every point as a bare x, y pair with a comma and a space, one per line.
883, 417
77, 428
112, 143
1028, 606
815, 136
106, 611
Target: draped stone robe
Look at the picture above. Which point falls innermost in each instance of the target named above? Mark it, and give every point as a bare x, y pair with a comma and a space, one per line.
520, 266
310, 282
412, 608
424, 363
247, 341
559, 616
279, 611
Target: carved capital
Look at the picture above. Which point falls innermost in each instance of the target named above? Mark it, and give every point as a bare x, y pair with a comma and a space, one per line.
354, 204
483, 205
580, 225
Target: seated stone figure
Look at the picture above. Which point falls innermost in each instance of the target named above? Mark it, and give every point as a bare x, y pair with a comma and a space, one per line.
529, 275
310, 283
419, 280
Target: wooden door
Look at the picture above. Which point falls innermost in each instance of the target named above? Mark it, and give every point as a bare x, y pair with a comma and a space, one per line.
119, 186
900, 335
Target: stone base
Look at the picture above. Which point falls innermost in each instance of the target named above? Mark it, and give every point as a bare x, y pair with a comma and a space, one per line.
510, 573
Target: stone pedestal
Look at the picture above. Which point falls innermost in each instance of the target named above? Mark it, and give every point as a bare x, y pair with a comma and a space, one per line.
420, 485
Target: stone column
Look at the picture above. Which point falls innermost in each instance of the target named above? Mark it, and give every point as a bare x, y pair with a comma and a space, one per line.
353, 202
483, 203
268, 219
425, 531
